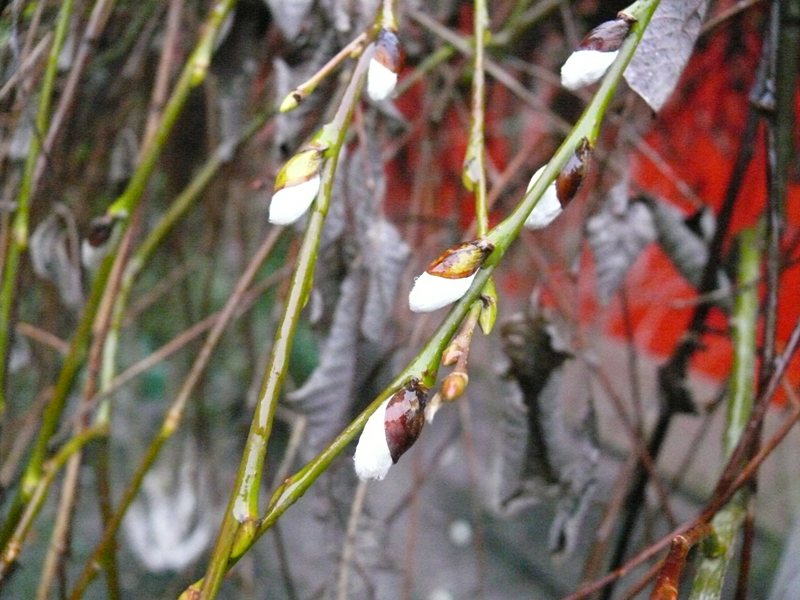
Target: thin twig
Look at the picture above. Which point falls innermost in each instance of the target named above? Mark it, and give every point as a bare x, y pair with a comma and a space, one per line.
27, 64
729, 483
101, 11
166, 67
193, 74
42, 336
641, 449
20, 226
349, 543
181, 340
669, 578
174, 415
727, 14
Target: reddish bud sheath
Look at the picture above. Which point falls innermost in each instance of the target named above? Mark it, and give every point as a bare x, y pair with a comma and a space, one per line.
389, 51
405, 416
571, 176
454, 385
462, 260
100, 230
608, 36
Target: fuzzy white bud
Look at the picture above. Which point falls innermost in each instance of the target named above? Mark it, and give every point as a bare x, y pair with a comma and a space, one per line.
381, 81
92, 256
372, 458
291, 202
431, 292
585, 67
547, 208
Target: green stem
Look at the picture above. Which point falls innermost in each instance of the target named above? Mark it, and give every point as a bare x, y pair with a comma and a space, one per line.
39, 494
21, 224
710, 575
388, 18
55, 406
192, 75
425, 365
474, 170
174, 414
241, 516
474, 173
179, 207
587, 127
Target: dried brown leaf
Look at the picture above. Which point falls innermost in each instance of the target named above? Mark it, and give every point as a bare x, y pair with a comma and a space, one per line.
664, 50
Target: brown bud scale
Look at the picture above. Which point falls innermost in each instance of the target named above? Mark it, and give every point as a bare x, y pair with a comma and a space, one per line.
462, 260
404, 418
607, 37
389, 51
301, 167
571, 176
454, 385
100, 230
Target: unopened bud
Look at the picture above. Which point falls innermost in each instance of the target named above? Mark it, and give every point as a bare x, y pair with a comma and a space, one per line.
390, 431
561, 192
433, 406
547, 208
95, 245
462, 260
488, 314
292, 101
296, 186
452, 353
100, 230
454, 385
385, 65
595, 53
448, 277
571, 176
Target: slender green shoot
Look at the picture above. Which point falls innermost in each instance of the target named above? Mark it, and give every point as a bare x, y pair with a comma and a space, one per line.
21, 224
710, 575
240, 522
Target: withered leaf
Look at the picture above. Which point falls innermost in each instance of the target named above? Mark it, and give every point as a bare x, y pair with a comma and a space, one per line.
290, 15
55, 256
617, 235
686, 248
664, 50
542, 456
388, 256
326, 396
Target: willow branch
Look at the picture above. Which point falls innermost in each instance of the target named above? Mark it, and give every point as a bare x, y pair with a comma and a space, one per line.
242, 513
193, 74
425, 365
21, 224
175, 413
49, 470
710, 575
